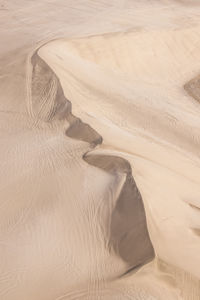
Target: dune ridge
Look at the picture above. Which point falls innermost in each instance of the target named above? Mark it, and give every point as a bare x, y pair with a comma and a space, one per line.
99, 155
128, 222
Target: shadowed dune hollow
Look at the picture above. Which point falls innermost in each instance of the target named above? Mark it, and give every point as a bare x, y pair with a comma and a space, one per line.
99, 154
128, 236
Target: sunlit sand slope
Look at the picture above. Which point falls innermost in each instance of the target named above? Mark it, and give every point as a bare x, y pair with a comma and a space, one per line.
99, 150
135, 99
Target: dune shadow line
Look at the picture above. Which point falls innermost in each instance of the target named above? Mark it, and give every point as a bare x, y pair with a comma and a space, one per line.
128, 235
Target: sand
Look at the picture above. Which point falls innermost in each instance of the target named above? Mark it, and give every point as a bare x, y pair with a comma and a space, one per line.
99, 136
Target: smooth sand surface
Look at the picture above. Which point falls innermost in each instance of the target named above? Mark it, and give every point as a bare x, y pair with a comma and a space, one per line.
99, 150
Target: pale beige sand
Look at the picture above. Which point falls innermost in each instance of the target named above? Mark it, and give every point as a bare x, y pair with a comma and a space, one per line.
100, 136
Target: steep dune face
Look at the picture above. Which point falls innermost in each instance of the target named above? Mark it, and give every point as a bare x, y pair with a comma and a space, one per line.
128, 228
157, 132
99, 219
99, 128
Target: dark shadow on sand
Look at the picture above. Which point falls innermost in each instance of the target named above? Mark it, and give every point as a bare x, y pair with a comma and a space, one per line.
129, 236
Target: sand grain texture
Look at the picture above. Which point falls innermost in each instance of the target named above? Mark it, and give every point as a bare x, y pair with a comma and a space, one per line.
99, 150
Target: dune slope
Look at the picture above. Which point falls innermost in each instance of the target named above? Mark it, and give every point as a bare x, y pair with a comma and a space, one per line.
99, 135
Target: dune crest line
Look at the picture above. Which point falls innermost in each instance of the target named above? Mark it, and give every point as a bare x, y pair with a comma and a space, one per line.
128, 235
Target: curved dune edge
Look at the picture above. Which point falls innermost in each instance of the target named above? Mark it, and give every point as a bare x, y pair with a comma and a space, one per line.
58, 108
128, 228
131, 71
157, 132
128, 218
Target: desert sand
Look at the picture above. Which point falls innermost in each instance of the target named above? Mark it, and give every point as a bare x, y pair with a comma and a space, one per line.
99, 150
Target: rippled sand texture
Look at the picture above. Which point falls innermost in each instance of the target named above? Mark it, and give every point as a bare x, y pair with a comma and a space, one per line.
99, 150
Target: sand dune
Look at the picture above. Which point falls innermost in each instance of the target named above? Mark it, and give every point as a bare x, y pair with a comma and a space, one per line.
100, 136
